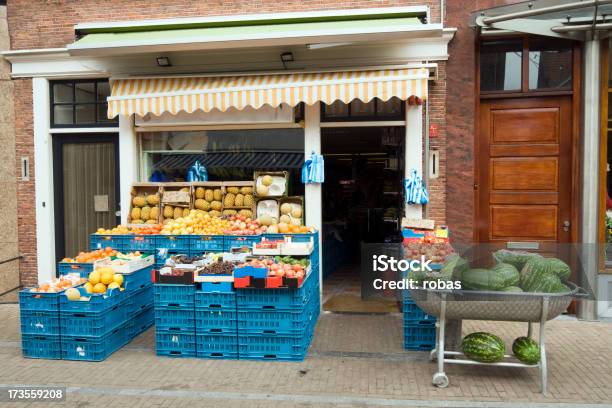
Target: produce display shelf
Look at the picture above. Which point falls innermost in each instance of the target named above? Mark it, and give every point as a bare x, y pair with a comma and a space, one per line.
206, 243
94, 348
175, 319
37, 301
208, 320
216, 286
142, 243
274, 322
174, 295
141, 322
277, 299
140, 300
40, 322
137, 280
175, 344
100, 241
174, 242
93, 324
216, 343
41, 346
97, 303
238, 241
215, 300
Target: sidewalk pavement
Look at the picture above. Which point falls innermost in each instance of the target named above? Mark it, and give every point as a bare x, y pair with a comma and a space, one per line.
354, 361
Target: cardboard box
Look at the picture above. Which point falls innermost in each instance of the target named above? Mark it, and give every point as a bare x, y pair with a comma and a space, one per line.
284, 174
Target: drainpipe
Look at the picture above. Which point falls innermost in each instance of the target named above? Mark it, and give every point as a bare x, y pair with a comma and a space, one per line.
587, 309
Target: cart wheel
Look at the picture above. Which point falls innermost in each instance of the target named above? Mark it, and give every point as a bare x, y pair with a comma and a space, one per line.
440, 380
433, 355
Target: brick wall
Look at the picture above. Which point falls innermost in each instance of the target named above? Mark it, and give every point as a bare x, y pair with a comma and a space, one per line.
26, 214
50, 23
436, 209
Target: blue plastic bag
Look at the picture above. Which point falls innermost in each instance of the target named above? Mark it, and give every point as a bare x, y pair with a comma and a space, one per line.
414, 189
313, 170
197, 172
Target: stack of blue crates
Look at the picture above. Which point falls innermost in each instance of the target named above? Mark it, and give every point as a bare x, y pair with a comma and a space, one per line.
419, 328
175, 334
215, 317
40, 325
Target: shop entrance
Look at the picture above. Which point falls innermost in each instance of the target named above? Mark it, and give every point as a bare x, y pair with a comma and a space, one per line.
86, 186
362, 204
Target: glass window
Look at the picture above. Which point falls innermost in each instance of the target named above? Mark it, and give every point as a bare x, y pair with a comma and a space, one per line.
500, 65
357, 110
228, 155
80, 103
550, 64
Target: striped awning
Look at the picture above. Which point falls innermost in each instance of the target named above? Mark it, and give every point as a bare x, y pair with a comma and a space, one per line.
174, 94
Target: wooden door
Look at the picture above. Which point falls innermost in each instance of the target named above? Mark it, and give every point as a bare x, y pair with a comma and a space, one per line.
525, 172
86, 186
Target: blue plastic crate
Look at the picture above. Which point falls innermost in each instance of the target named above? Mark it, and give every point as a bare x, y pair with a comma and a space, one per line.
429, 323
141, 322
83, 269
175, 344
94, 348
418, 346
174, 295
215, 300
274, 322
223, 287
137, 280
272, 346
175, 319
41, 346
99, 241
39, 301
207, 345
140, 300
237, 241
419, 334
39, 322
277, 299
97, 302
142, 243
206, 243
413, 312
93, 324
216, 355
174, 242
209, 320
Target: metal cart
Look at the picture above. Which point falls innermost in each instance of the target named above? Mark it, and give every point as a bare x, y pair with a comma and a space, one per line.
496, 306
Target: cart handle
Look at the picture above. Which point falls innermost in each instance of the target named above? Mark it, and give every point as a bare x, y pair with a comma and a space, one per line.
581, 292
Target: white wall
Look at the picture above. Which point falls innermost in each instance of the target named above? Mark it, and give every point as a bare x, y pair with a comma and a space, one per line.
128, 162
414, 151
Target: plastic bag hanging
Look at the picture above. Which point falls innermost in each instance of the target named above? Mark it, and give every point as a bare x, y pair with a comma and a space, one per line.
313, 170
414, 190
197, 172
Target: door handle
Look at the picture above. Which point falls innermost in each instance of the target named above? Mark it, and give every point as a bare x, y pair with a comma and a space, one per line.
566, 226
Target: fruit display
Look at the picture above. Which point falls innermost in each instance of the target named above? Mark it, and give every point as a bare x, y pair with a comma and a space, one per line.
145, 206
208, 199
483, 347
118, 230
516, 258
93, 256
292, 261
196, 222
217, 268
241, 225
435, 250
139, 229
272, 184
291, 212
497, 278
294, 269
146, 229
103, 278
268, 211
526, 350
59, 284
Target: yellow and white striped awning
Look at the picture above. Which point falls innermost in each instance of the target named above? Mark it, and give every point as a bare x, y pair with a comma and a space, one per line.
174, 94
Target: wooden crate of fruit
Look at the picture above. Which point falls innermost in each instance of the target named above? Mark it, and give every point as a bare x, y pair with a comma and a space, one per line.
292, 210
271, 183
176, 200
145, 203
208, 197
239, 198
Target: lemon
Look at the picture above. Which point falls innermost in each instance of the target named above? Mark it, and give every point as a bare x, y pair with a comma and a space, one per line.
99, 288
118, 278
113, 285
94, 277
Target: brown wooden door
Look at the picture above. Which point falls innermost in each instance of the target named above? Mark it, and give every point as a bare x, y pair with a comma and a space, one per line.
525, 171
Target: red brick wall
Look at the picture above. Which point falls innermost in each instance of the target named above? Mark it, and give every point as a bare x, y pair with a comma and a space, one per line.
26, 211
437, 208
50, 23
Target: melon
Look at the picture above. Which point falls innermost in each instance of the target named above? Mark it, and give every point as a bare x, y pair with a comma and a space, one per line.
296, 212
73, 294
518, 259
285, 219
454, 266
199, 192
526, 350
262, 190
544, 275
267, 180
496, 278
285, 208
483, 347
506, 273
512, 289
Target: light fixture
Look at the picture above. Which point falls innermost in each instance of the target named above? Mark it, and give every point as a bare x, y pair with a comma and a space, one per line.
286, 57
163, 62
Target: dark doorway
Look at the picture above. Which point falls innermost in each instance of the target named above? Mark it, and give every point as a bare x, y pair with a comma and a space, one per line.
86, 189
362, 203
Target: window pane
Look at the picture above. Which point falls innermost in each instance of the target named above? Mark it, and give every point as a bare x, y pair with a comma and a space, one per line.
103, 114
359, 108
85, 92
550, 64
62, 114
85, 114
62, 93
103, 91
500, 65
393, 107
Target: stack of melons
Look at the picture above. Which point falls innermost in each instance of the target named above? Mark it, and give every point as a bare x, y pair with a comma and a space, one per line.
145, 209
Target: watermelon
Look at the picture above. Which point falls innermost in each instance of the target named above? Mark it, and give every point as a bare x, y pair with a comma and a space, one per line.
483, 347
512, 289
559, 268
542, 275
506, 273
526, 350
454, 266
548, 283
518, 259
